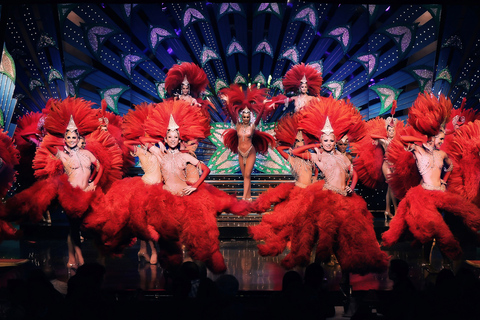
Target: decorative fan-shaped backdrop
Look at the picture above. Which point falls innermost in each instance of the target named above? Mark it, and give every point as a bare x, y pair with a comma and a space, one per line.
370, 54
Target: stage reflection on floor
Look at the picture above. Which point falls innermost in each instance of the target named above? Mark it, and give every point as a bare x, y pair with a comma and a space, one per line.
254, 272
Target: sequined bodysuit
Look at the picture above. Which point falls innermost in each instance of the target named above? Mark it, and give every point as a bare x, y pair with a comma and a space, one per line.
334, 165
77, 165
173, 166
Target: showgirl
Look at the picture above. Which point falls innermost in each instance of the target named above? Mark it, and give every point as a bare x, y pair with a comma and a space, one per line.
371, 164
305, 81
245, 139
424, 177
9, 158
275, 227
162, 205
64, 171
327, 213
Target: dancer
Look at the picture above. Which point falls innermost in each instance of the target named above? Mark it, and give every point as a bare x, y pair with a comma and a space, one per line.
163, 206
275, 227
342, 146
371, 164
418, 211
245, 139
186, 82
28, 136
194, 207
323, 211
64, 171
306, 81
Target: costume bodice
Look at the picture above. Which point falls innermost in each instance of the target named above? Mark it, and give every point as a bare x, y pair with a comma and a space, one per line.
173, 166
335, 163
75, 159
77, 166
301, 101
428, 160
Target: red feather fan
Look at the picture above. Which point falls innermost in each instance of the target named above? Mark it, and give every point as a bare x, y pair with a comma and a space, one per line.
293, 77
343, 116
58, 117
196, 77
134, 121
428, 114
370, 154
10, 156
193, 124
404, 169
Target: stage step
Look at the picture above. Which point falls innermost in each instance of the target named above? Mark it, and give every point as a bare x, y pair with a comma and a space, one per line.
230, 227
233, 183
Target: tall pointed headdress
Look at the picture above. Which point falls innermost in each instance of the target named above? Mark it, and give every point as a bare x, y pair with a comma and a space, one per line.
172, 125
71, 125
304, 80
327, 128
185, 81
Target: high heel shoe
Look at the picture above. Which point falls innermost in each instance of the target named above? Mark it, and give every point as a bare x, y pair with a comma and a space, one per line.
143, 257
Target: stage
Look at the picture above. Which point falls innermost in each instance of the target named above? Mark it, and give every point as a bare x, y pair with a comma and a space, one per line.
44, 246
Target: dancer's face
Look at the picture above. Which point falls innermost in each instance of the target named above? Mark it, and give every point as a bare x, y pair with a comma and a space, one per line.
71, 139
390, 132
191, 146
342, 146
185, 89
246, 118
82, 143
172, 139
303, 88
299, 143
438, 140
328, 142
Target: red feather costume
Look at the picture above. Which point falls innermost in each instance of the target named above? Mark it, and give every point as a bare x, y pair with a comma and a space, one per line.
9, 156
28, 135
149, 212
237, 100
275, 227
370, 154
113, 124
418, 212
294, 76
197, 81
464, 150
337, 224
31, 203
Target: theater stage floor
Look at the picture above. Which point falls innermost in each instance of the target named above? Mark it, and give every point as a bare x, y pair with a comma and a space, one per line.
48, 251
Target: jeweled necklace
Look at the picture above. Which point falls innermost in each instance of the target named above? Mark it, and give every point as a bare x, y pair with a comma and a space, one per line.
244, 130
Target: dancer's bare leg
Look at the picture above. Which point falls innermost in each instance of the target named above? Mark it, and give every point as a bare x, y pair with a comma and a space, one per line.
142, 253
153, 255
247, 169
72, 262
386, 172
